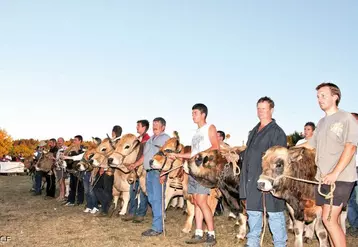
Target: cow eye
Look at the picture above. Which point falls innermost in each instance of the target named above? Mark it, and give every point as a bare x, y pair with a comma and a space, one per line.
90, 157
279, 164
168, 151
206, 159
126, 147
103, 149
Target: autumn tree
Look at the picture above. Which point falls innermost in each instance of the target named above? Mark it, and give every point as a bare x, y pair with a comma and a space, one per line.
293, 138
5, 142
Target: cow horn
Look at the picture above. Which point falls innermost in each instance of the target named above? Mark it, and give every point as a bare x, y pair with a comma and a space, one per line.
176, 134
111, 142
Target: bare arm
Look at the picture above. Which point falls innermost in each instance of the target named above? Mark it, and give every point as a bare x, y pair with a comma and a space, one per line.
139, 161
346, 157
213, 138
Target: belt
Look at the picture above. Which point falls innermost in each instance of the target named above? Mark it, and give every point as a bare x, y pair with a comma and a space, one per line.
150, 170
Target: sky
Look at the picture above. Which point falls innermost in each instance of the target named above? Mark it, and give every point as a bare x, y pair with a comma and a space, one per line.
81, 67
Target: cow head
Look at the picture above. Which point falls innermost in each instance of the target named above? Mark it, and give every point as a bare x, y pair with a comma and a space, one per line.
45, 162
126, 151
206, 167
160, 160
84, 164
279, 161
102, 153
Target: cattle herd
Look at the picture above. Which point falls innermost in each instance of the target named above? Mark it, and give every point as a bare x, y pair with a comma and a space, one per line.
218, 170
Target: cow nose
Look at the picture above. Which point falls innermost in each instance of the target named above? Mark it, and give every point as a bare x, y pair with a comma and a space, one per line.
199, 161
151, 163
260, 185
110, 160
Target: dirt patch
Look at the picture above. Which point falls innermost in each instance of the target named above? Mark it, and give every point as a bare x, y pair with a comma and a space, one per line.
32, 221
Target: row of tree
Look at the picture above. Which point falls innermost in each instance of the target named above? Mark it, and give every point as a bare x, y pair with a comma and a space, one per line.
24, 147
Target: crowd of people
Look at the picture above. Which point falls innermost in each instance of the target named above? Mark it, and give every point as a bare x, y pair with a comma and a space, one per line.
334, 138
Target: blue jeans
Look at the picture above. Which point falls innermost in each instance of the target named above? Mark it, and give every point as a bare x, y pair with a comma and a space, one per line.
353, 208
133, 202
91, 198
154, 190
277, 225
38, 181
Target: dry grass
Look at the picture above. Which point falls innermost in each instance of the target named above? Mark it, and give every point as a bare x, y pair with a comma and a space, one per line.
32, 221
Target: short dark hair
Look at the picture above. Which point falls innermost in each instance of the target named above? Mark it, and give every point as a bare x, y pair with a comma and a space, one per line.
221, 133
355, 115
201, 107
334, 90
144, 123
117, 130
311, 124
268, 100
161, 120
79, 137
53, 140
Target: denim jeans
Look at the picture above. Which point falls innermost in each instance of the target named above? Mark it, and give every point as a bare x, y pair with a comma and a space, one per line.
38, 181
133, 202
277, 225
353, 208
91, 198
154, 191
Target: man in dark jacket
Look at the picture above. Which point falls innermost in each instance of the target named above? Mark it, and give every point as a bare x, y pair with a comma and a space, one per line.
265, 135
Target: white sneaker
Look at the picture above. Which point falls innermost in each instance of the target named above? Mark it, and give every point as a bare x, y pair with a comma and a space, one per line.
87, 210
94, 210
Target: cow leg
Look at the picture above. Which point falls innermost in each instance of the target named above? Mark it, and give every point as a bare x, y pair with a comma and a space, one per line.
180, 202
298, 228
169, 192
241, 223
309, 232
174, 202
189, 219
320, 230
125, 198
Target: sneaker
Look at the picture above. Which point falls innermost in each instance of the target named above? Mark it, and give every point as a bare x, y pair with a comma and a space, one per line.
87, 210
94, 210
69, 204
128, 217
210, 240
138, 219
195, 239
150, 233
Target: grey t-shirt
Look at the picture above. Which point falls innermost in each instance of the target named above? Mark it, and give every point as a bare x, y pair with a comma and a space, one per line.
152, 147
329, 138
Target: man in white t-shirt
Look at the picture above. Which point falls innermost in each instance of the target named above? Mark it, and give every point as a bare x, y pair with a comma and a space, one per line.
308, 132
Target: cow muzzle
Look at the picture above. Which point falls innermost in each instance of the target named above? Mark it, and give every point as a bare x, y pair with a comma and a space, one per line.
264, 184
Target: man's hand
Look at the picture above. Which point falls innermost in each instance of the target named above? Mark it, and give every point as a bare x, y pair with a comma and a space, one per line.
172, 156
162, 179
330, 178
131, 167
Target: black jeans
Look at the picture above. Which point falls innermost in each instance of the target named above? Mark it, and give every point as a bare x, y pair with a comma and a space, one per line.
50, 185
103, 191
76, 185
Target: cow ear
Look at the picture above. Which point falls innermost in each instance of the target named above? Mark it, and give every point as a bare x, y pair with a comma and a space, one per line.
176, 134
96, 140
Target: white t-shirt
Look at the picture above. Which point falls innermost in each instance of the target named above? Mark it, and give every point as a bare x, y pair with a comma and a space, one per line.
301, 141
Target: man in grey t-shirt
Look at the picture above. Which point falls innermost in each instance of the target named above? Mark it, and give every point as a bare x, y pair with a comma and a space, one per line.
153, 179
335, 141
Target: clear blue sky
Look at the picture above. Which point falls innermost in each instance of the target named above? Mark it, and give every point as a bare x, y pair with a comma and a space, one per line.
80, 67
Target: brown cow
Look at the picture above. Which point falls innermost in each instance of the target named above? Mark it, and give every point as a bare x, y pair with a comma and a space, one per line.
299, 196
211, 169
126, 152
177, 182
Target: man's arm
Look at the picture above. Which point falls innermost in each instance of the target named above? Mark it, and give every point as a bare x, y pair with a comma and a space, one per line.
213, 138
137, 163
346, 157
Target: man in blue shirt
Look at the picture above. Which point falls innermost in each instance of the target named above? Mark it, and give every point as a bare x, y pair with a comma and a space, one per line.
153, 180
